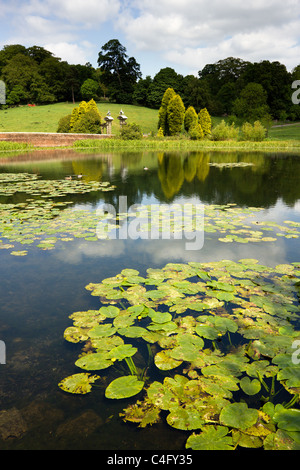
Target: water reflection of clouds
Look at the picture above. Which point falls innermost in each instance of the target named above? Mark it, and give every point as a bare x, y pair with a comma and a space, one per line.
151, 253
75, 252
172, 251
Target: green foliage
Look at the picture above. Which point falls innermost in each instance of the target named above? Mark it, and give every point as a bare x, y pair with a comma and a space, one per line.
34, 75
131, 131
163, 110
196, 132
225, 132
85, 119
205, 121
121, 71
256, 132
190, 118
252, 103
175, 115
89, 89
64, 124
160, 132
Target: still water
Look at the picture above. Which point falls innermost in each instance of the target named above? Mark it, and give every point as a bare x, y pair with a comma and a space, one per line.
40, 290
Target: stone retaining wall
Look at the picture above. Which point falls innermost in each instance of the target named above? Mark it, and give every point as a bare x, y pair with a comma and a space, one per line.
41, 139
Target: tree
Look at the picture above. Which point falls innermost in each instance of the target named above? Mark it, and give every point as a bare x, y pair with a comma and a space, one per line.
89, 89
205, 121
165, 78
190, 118
163, 110
175, 115
141, 91
120, 72
275, 80
252, 103
24, 82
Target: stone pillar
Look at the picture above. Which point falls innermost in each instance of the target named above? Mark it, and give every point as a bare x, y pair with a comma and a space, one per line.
108, 119
122, 118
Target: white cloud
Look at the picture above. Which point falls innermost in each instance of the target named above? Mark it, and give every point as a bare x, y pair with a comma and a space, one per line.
73, 53
185, 35
196, 32
88, 13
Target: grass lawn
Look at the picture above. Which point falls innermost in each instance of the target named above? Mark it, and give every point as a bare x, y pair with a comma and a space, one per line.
285, 132
45, 118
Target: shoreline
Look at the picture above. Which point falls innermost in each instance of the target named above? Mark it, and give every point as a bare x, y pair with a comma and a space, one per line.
147, 143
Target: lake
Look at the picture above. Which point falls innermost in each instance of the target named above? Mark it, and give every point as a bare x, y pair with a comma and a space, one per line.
249, 206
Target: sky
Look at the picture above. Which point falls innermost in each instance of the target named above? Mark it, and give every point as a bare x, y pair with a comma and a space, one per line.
182, 34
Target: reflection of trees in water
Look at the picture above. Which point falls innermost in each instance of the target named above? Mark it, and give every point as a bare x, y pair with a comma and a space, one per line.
174, 170
174, 174
267, 178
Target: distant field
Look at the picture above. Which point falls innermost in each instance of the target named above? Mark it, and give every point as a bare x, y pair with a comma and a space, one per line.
45, 119
285, 132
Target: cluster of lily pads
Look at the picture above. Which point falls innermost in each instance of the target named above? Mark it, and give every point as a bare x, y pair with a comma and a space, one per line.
210, 347
233, 223
41, 218
45, 218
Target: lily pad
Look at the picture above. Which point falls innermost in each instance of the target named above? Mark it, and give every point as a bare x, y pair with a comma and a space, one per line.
79, 384
211, 438
94, 361
238, 415
287, 419
250, 387
124, 387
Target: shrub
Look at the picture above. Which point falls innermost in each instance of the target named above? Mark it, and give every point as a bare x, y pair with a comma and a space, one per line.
85, 119
204, 120
225, 132
196, 132
160, 132
175, 115
90, 123
256, 133
190, 118
64, 124
131, 132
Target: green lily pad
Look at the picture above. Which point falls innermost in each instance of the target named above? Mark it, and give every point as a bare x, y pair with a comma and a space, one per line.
287, 419
211, 438
78, 383
208, 332
120, 352
250, 387
132, 332
186, 419
124, 387
74, 334
102, 331
238, 415
291, 376
110, 312
160, 317
95, 361
164, 361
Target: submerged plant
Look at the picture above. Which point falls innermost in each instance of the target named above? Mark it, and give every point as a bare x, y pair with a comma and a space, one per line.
220, 358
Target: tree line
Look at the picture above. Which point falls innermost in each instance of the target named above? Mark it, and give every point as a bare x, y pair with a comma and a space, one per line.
231, 86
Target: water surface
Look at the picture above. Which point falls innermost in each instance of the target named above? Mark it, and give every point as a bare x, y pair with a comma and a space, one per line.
40, 290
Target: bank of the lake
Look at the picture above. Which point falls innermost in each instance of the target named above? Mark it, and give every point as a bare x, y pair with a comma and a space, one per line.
8, 148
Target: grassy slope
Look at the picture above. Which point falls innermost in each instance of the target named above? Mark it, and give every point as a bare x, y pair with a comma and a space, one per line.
46, 118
